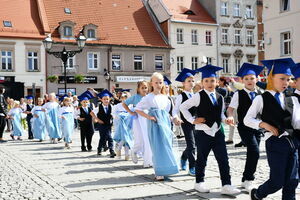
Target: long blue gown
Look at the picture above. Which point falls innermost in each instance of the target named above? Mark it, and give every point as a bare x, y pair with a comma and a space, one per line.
38, 125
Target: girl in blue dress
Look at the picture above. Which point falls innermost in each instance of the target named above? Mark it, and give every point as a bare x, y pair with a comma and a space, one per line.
38, 121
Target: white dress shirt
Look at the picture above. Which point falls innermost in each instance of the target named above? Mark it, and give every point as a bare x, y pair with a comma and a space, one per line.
195, 102
296, 111
176, 111
256, 108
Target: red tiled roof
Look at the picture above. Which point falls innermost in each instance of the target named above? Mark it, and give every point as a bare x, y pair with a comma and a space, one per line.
177, 8
24, 17
120, 22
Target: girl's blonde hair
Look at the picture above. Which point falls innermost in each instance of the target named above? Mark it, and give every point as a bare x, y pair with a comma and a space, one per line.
161, 77
140, 84
40, 99
66, 99
16, 103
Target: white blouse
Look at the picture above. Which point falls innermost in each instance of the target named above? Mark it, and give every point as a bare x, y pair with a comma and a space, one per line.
159, 101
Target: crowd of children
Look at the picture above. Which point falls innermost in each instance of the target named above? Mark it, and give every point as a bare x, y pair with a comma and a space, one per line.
143, 124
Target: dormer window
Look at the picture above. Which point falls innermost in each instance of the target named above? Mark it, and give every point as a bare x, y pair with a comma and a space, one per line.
68, 11
7, 24
189, 12
66, 30
90, 31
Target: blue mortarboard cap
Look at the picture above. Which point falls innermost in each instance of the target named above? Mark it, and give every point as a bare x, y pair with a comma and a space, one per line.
296, 70
167, 81
248, 68
184, 74
86, 94
279, 66
104, 93
125, 90
29, 97
209, 71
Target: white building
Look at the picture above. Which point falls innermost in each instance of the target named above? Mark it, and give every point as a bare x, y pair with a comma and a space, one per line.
282, 29
237, 32
190, 30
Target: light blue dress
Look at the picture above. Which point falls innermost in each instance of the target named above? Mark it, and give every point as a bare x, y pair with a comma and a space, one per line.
52, 120
16, 122
38, 123
161, 137
67, 122
123, 131
133, 100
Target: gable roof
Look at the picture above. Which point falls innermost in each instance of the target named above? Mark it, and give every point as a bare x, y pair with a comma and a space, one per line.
120, 22
24, 17
180, 9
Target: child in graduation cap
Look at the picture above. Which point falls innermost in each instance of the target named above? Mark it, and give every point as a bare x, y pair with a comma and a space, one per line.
29, 107
103, 117
38, 121
186, 77
85, 122
52, 119
159, 127
241, 101
141, 146
281, 145
67, 114
209, 113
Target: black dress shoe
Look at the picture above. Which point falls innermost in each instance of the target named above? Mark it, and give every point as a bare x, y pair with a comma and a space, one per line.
253, 194
229, 142
89, 150
112, 154
105, 148
83, 150
241, 144
99, 152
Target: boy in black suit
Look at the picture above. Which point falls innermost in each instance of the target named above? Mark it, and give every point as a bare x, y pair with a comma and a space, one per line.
29, 116
103, 116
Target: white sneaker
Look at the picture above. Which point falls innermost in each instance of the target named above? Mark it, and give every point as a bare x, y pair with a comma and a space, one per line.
118, 152
230, 190
134, 158
248, 185
201, 187
126, 158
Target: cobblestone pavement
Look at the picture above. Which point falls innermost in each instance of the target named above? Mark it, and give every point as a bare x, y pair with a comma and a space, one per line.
34, 170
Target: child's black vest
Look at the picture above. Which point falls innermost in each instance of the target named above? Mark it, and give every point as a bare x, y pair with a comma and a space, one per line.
105, 117
191, 110
29, 108
244, 104
274, 115
87, 123
206, 109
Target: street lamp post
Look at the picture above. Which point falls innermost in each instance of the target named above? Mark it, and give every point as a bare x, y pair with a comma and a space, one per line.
64, 55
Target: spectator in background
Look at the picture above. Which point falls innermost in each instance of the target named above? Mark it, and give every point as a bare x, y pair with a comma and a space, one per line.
3, 113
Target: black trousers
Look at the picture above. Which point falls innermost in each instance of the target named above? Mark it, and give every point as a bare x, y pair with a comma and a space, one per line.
205, 143
189, 152
105, 137
251, 138
30, 134
86, 135
2, 125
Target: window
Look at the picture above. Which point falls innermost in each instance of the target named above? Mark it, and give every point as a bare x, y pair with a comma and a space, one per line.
6, 60
116, 61
71, 62
237, 65
91, 33
67, 11
225, 36
284, 5
179, 33
194, 63
225, 65
286, 43
32, 61
7, 24
208, 37
237, 36
159, 62
138, 62
249, 12
93, 60
224, 8
180, 63
67, 31
194, 36
209, 60
236, 10
189, 12
250, 38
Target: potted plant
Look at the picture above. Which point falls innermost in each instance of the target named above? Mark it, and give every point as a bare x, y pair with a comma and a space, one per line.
52, 78
79, 78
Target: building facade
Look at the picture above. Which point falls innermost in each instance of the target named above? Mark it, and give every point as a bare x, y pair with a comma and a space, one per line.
280, 18
236, 34
191, 32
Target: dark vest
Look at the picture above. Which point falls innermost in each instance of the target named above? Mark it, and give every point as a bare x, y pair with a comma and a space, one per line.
28, 108
274, 115
191, 110
244, 104
171, 107
207, 110
87, 123
105, 117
